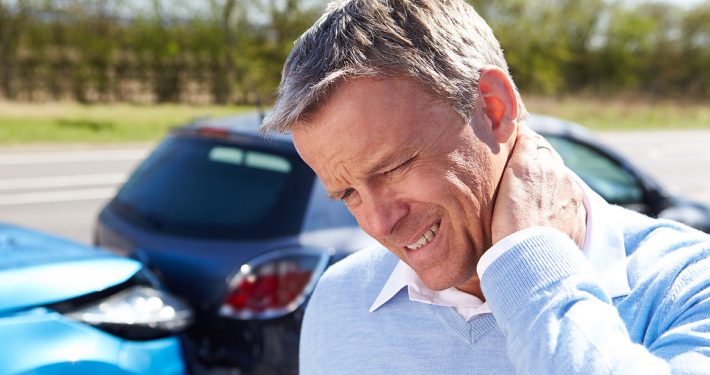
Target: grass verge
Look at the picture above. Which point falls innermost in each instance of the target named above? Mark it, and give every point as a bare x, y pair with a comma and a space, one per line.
24, 123
624, 113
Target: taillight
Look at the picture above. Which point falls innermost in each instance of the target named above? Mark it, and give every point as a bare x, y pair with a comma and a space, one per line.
214, 132
274, 284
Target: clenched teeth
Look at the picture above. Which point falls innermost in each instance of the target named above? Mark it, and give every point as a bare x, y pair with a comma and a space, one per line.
425, 238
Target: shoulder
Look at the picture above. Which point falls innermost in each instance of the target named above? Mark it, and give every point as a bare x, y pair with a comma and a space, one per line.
656, 243
367, 263
358, 276
347, 290
641, 231
667, 265
338, 310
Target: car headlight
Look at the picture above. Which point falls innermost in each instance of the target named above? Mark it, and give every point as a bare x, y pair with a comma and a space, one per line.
139, 312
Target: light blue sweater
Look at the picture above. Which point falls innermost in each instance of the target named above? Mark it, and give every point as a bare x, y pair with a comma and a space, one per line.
550, 315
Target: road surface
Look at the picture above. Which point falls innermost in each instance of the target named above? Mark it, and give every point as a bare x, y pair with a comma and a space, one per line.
61, 189
680, 160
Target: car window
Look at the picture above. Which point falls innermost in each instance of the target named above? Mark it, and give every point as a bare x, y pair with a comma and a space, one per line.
212, 188
602, 174
325, 213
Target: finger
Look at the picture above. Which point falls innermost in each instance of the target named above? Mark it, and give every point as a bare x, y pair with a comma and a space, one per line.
542, 146
526, 142
529, 147
544, 149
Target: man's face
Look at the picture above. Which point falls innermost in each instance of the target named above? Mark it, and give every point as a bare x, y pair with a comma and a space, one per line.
416, 177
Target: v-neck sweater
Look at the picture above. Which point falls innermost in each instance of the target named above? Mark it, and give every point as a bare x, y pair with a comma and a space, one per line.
549, 313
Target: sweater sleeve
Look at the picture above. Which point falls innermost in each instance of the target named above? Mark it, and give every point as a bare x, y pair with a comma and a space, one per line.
558, 320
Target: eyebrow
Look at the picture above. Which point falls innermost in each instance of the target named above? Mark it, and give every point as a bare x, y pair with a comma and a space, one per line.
378, 167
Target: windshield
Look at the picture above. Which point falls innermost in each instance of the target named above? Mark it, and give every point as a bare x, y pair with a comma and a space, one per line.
205, 187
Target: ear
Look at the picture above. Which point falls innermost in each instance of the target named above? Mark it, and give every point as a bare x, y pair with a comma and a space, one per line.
500, 102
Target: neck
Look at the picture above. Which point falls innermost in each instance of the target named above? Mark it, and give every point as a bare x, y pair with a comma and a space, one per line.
472, 287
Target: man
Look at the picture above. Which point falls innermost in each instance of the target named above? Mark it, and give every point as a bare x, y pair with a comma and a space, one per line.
496, 259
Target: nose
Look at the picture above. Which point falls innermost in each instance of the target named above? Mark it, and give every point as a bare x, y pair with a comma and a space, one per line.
380, 212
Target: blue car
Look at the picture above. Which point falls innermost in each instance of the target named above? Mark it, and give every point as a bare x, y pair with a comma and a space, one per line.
66, 308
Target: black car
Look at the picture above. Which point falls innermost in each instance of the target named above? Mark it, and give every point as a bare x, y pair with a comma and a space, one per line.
239, 226
614, 177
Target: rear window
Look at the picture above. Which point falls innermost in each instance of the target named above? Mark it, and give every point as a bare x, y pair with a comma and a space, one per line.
212, 188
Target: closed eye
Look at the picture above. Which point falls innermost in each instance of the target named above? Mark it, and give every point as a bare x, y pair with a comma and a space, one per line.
400, 167
348, 192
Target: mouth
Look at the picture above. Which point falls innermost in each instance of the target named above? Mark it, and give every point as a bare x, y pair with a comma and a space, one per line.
426, 238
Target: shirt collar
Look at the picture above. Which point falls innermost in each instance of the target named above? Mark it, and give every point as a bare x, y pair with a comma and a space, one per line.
604, 244
603, 247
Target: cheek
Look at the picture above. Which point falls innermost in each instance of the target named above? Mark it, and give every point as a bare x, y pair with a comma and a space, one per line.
427, 185
360, 216
464, 178
442, 193
473, 168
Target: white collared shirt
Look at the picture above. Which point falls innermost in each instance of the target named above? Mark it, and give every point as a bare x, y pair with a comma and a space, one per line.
603, 247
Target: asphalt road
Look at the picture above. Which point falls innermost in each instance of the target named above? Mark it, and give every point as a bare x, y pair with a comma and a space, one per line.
61, 189
680, 160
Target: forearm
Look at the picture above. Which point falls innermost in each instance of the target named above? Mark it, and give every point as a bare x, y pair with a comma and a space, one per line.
558, 320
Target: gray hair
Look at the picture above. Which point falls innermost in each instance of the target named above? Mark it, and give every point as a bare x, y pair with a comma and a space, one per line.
442, 44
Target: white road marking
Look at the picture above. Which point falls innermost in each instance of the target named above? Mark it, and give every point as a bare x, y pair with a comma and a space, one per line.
62, 181
57, 196
72, 156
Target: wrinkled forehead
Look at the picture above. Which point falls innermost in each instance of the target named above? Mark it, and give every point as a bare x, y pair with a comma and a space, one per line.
342, 151
367, 122
366, 109
394, 83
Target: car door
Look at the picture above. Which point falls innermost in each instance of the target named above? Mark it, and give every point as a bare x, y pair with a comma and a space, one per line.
608, 176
